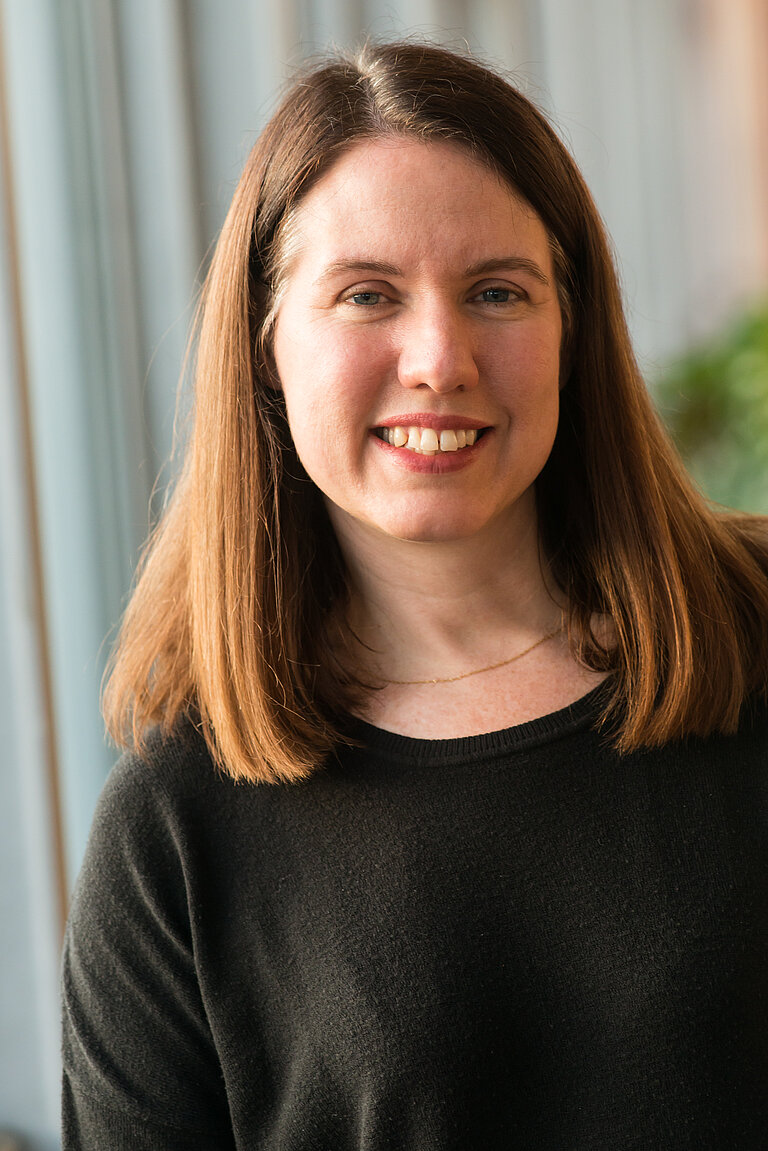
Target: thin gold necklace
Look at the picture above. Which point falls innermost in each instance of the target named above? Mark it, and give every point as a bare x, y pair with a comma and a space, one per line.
479, 670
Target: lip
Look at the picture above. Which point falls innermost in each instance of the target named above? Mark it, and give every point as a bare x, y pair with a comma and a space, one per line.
432, 420
442, 463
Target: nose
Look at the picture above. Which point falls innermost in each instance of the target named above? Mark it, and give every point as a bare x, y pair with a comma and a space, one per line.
437, 351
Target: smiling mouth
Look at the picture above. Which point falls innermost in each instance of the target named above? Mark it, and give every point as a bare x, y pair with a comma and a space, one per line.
429, 441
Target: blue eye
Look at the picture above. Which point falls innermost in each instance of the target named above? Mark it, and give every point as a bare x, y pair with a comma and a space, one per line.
365, 299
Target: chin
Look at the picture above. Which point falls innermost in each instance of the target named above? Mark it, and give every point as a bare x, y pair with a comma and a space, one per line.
429, 522
433, 529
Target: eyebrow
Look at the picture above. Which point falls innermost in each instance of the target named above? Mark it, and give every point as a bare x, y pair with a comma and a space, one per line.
483, 267
516, 263
355, 265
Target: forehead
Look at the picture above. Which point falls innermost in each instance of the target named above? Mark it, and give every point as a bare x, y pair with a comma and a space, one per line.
416, 199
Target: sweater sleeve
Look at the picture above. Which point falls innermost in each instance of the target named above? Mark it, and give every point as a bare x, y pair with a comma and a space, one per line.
140, 1066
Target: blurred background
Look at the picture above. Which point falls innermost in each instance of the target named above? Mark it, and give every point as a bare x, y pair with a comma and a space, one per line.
123, 128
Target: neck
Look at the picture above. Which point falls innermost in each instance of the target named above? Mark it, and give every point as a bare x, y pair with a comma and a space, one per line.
423, 609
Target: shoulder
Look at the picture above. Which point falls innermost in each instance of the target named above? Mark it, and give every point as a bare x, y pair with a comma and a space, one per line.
169, 824
172, 772
153, 814
167, 761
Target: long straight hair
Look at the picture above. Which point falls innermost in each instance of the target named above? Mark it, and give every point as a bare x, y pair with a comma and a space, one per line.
237, 617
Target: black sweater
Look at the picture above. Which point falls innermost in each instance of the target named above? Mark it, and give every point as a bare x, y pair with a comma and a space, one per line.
517, 940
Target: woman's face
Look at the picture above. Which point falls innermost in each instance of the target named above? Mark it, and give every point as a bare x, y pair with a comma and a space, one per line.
420, 314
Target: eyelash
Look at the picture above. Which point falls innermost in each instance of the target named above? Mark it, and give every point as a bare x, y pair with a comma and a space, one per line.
510, 293
374, 298
355, 296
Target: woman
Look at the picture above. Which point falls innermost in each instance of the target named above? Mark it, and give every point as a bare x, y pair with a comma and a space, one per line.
434, 572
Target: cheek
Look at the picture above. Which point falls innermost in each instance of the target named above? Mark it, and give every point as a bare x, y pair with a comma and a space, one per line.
527, 373
331, 380
542, 353
328, 409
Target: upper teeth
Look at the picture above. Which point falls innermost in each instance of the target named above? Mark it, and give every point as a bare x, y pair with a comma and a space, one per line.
428, 441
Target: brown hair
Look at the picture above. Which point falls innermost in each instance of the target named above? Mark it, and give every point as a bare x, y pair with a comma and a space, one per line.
241, 587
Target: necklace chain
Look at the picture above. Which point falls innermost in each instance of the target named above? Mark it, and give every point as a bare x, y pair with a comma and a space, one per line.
479, 670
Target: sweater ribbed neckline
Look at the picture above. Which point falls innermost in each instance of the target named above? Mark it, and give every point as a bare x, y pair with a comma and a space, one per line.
581, 713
